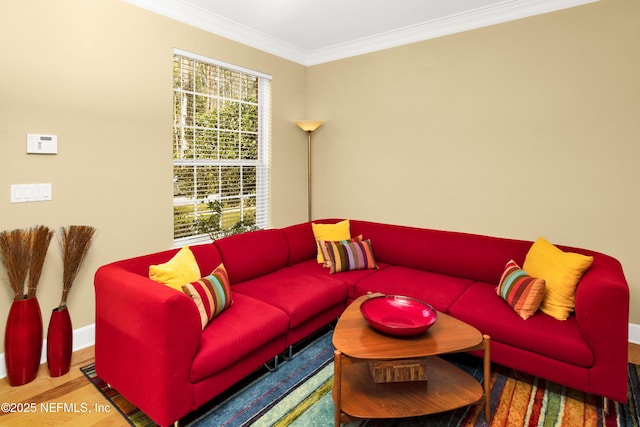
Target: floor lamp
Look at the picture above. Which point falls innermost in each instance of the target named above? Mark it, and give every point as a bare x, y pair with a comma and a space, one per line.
309, 126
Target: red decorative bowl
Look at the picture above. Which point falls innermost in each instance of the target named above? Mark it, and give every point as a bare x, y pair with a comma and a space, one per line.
398, 315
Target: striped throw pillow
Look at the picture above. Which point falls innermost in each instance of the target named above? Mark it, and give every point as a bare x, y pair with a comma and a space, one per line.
211, 294
325, 252
523, 292
347, 256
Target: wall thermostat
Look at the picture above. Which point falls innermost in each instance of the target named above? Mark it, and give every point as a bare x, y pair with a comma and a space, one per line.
42, 144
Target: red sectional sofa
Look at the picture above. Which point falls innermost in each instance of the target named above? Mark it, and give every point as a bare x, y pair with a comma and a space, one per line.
150, 345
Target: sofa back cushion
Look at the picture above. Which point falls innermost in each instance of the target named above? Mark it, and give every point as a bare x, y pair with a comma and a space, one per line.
302, 245
208, 257
469, 256
253, 254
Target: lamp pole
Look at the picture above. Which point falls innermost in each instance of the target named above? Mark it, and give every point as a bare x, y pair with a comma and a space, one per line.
309, 132
309, 126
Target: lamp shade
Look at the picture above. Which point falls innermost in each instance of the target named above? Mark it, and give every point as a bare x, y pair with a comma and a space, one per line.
309, 125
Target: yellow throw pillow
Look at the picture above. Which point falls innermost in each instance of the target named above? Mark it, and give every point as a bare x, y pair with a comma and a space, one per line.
330, 232
561, 272
178, 271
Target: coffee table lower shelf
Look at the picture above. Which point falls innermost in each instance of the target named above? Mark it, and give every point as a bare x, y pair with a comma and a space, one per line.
356, 395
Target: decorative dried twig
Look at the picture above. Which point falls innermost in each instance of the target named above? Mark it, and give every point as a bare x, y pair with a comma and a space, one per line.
74, 242
40, 239
14, 246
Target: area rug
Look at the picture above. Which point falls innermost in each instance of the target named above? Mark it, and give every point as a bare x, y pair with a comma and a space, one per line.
299, 394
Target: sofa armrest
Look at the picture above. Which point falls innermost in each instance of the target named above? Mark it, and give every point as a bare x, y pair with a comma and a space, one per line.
147, 336
602, 314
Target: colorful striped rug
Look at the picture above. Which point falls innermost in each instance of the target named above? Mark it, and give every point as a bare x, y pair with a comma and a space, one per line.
299, 394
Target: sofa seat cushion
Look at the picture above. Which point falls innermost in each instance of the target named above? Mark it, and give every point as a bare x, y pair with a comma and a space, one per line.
300, 294
436, 289
349, 278
244, 327
481, 307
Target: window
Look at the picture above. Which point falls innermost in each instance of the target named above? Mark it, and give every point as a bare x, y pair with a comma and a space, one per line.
221, 132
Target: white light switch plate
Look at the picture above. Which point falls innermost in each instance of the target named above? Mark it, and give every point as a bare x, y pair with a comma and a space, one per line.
21, 193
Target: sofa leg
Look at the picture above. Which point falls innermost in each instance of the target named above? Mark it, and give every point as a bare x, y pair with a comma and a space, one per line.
176, 424
288, 354
605, 406
275, 364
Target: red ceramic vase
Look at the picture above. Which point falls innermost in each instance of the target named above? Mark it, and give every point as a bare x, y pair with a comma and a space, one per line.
23, 341
59, 342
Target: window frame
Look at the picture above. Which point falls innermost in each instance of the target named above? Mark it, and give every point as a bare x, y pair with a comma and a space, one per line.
261, 164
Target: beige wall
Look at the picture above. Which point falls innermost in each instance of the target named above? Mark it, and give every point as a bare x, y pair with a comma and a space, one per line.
98, 74
522, 129
525, 129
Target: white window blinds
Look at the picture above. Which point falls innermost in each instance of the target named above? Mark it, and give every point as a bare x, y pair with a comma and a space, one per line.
221, 133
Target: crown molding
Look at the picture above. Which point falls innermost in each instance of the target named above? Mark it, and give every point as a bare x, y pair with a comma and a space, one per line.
504, 11
216, 24
470, 20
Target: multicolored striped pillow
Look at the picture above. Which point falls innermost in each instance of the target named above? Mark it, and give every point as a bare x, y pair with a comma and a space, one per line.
523, 292
325, 252
212, 294
346, 256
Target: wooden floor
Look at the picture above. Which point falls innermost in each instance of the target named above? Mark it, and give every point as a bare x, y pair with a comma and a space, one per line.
46, 398
71, 400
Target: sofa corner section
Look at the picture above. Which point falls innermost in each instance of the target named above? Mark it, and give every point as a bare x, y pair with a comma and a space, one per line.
143, 328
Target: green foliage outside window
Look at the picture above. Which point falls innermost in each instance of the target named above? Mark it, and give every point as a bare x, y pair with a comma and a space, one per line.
212, 224
215, 149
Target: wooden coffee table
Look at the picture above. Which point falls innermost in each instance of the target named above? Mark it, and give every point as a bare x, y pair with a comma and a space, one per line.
356, 395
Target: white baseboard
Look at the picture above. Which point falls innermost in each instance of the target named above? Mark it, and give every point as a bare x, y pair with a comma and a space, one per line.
86, 337
82, 338
634, 333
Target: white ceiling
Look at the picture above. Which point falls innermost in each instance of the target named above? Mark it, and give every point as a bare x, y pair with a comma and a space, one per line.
311, 32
